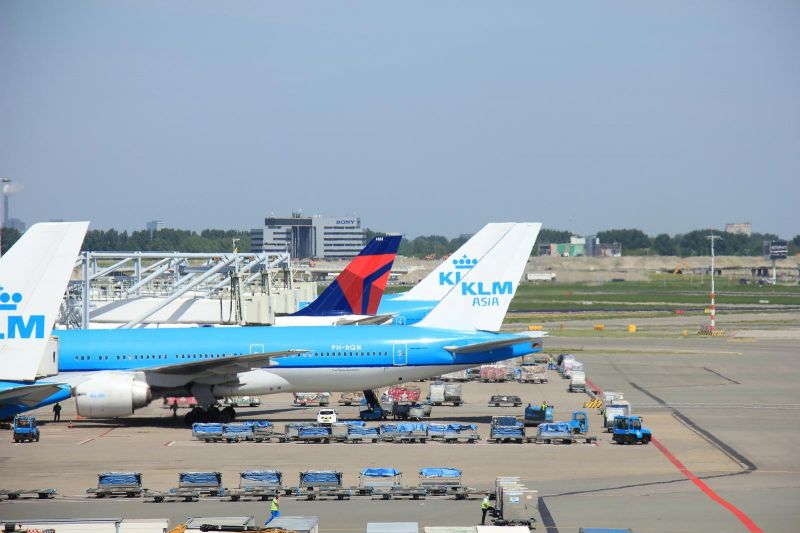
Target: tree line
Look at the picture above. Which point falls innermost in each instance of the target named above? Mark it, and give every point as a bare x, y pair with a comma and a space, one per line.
633, 241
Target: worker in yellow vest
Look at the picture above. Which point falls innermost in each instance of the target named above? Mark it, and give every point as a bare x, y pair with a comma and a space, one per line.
485, 506
274, 508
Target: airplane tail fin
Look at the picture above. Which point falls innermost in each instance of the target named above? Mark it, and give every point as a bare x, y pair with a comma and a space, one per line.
485, 289
359, 288
33, 278
435, 285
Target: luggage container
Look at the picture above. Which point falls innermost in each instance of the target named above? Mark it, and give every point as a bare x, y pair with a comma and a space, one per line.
533, 374
192, 485
376, 480
418, 411
577, 382
362, 433
506, 429
493, 373
613, 410
303, 399
537, 414
407, 393
237, 432
109, 484
292, 430
351, 398
309, 434
520, 506
323, 483
262, 484
504, 400
392, 527
436, 431
460, 375
264, 431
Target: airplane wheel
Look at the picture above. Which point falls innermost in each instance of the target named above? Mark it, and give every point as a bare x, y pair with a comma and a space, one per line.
228, 415
212, 414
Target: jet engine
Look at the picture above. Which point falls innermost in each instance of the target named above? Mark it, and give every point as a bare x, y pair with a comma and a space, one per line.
111, 395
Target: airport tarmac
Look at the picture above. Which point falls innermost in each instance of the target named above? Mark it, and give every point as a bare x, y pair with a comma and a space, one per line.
725, 409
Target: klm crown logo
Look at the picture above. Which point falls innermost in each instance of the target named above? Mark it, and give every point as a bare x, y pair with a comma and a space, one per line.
462, 266
17, 327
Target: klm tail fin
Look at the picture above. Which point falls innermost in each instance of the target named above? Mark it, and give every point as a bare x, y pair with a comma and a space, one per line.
33, 278
359, 288
487, 286
435, 285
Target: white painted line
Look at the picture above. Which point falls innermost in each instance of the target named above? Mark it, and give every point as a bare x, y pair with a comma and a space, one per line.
170, 443
85, 441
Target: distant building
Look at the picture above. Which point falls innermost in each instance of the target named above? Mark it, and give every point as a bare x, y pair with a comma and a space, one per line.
16, 223
739, 228
310, 236
155, 225
588, 246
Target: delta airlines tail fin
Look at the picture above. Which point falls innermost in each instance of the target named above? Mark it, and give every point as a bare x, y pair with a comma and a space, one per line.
359, 288
486, 286
435, 285
33, 278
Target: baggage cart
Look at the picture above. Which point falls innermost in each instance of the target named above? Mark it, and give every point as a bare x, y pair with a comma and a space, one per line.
351, 398
211, 432
538, 414
323, 483
378, 480
401, 411
309, 434
292, 430
506, 429
503, 400
407, 393
436, 431
533, 374
442, 481
192, 485
493, 373
109, 484
237, 432
264, 431
417, 412
261, 484
461, 433
14, 494
561, 432
362, 433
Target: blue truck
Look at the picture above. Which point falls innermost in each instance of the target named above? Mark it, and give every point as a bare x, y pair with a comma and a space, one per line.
538, 414
629, 430
25, 429
567, 432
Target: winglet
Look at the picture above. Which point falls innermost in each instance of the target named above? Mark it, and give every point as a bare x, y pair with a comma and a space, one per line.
359, 288
33, 278
480, 298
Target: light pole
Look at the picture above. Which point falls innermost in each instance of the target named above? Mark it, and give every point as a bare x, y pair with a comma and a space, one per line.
712, 238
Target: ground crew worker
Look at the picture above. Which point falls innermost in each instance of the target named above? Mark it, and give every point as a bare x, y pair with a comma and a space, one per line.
57, 412
544, 405
174, 408
485, 508
274, 509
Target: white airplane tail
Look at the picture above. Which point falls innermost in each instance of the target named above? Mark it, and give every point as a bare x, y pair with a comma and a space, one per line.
481, 298
33, 278
435, 285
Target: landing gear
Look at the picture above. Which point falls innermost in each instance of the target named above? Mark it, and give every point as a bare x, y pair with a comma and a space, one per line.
197, 414
212, 414
228, 414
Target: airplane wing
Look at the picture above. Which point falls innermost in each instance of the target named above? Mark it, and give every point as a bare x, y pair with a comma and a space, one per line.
365, 320
29, 395
222, 366
492, 345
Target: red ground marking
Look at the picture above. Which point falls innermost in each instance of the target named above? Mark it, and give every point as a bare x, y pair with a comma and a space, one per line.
708, 491
103, 434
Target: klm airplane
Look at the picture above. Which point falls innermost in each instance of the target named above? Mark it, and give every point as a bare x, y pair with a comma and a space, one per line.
34, 276
114, 372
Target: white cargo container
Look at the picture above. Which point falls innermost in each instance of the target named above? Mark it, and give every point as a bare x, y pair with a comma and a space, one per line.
615, 408
98, 525
392, 527
300, 524
577, 383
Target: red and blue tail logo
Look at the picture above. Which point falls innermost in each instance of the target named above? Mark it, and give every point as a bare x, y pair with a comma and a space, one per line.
359, 288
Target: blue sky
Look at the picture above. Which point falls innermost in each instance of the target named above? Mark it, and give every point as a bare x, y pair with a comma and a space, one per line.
421, 117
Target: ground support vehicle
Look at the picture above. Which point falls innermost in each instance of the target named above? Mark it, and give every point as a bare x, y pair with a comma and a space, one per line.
309, 434
532, 374
241, 401
260, 484
443, 481
191, 486
327, 416
506, 429
110, 484
323, 483
629, 430
237, 432
460, 375
538, 414
304, 399
577, 382
461, 433
291, 430
500, 400
14, 494
613, 409
376, 413
25, 429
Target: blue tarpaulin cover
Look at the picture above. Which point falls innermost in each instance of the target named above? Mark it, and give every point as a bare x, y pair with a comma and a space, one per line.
555, 427
314, 431
237, 428
508, 421
508, 431
355, 422
408, 427
320, 476
259, 423
207, 429
388, 428
462, 427
440, 472
437, 429
361, 430
380, 472
120, 478
200, 478
268, 476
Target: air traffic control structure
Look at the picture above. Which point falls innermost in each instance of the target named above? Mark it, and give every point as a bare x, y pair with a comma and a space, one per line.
132, 289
